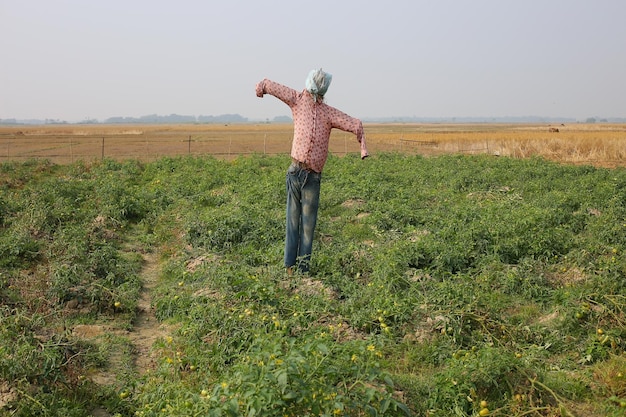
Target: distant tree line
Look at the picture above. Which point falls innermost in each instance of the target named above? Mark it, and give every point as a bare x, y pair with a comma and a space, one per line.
177, 119
237, 118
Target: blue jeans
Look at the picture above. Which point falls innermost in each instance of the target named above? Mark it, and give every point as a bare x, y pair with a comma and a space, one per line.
303, 196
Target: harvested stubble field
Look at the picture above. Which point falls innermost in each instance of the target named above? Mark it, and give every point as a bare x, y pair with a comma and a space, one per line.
597, 144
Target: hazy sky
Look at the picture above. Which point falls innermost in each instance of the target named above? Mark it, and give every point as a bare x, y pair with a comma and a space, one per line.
78, 59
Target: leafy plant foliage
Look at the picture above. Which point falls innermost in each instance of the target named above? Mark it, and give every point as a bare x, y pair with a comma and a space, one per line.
452, 285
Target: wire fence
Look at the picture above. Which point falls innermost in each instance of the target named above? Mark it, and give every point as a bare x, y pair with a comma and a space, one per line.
93, 143
70, 148
147, 146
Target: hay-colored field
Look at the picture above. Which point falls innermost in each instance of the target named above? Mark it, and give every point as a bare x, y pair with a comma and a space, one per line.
597, 144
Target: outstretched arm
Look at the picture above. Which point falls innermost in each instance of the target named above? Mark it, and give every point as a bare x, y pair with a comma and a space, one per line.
351, 124
260, 88
361, 138
283, 93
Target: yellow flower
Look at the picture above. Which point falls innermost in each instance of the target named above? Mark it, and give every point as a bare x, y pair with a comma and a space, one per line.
224, 385
371, 348
354, 358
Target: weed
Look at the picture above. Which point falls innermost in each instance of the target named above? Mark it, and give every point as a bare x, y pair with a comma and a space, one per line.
437, 284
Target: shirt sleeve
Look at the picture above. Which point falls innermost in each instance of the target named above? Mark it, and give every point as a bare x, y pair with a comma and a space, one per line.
342, 121
283, 93
260, 88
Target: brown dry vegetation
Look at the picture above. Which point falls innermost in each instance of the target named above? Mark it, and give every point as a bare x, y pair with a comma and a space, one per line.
597, 144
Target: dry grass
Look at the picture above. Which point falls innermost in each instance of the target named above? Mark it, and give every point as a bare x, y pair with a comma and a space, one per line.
601, 145
597, 144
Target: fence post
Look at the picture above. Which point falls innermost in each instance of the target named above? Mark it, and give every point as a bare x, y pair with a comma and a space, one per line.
102, 156
189, 145
265, 144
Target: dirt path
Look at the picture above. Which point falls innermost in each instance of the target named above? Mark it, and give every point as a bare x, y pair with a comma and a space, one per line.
146, 329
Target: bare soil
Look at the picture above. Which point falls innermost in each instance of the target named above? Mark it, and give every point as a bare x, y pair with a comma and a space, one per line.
145, 332
147, 329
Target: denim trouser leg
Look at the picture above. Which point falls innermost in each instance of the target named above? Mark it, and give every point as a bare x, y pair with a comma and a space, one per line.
303, 194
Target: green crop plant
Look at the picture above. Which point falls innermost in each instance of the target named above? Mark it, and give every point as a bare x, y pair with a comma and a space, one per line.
440, 286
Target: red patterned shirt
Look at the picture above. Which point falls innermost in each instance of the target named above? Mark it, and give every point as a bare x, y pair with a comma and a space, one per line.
312, 122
